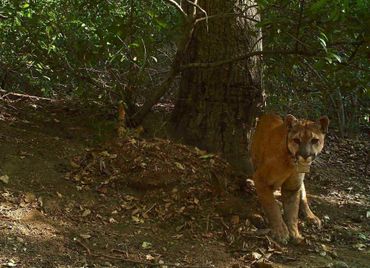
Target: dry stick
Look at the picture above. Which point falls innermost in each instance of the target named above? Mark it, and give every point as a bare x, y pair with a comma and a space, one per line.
24, 96
177, 6
84, 246
224, 224
195, 4
271, 241
146, 212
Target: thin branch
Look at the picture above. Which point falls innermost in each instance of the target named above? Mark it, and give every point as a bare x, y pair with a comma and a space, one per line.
224, 16
178, 7
198, 7
242, 57
299, 23
298, 41
174, 71
195, 4
313, 70
24, 96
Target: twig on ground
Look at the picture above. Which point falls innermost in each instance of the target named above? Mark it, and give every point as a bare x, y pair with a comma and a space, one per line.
146, 212
272, 242
224, 224
84, 246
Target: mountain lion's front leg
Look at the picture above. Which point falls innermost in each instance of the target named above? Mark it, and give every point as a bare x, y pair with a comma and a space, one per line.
291, 191
305, 209
266, 197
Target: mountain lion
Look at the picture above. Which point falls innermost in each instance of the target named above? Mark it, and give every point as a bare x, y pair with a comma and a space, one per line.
282, 152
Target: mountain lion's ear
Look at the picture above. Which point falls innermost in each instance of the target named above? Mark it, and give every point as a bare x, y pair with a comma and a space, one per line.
290, 121
324, 123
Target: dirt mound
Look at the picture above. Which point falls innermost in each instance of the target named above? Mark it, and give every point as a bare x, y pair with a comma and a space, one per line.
169, 179
147, 164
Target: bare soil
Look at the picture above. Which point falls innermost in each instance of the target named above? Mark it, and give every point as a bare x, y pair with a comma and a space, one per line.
72, 195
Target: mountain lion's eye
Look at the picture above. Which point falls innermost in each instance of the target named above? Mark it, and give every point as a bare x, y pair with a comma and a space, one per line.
314, 141
297, 141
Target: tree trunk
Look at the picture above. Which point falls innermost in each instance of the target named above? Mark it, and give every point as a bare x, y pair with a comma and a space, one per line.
216, 107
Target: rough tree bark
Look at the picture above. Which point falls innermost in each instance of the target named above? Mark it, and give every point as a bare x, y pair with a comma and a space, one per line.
216, 107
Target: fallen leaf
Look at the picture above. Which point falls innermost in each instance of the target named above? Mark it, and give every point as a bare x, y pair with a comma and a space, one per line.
10, 263
137, 219
105, 153
41, 201
128, 197
206, 156
360, 246
85, 236
29, 198
4, 179
146, 245
135, 211
179, 165
256, 255
149, 257
86, 213
362, 236
74, 164
112, 220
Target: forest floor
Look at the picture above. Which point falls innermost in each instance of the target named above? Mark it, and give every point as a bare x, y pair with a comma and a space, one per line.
71, 195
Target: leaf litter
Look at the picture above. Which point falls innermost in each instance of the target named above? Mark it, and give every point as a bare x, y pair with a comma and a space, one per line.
157, 188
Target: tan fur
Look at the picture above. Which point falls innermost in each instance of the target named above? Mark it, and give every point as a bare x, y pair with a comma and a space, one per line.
278, 150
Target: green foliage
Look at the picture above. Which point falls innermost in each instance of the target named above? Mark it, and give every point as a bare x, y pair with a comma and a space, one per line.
81, 47
333, 80
93, 49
